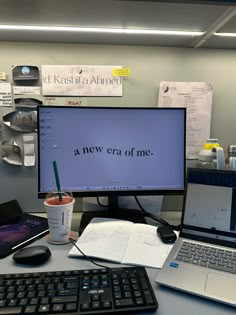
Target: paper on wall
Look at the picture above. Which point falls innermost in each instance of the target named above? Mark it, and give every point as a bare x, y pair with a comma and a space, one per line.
77, 80
5, 94
196, 97
29, 150
65, 101
22, 90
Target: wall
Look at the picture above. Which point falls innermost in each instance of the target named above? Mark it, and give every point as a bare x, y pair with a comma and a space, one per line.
149, 66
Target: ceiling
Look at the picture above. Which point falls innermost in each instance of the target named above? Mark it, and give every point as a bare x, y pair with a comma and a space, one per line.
205, 16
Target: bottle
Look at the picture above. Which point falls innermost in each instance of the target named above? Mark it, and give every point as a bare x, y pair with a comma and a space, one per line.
230, 162
211, 156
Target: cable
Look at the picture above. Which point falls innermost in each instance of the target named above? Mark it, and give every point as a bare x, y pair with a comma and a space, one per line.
150, 215
156, 218
100, 204
93, 262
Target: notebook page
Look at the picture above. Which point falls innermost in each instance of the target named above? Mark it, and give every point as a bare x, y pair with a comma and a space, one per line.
104, 238
145, 247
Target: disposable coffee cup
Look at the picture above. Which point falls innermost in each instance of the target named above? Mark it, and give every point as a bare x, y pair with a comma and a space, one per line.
59, 208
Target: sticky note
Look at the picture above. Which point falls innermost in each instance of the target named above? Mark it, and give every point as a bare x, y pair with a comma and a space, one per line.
3, 76
124, 72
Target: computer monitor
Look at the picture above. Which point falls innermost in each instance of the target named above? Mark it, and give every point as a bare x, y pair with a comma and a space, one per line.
112, 151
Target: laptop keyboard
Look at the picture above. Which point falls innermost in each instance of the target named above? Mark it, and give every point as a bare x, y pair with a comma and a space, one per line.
93, 291
207, 256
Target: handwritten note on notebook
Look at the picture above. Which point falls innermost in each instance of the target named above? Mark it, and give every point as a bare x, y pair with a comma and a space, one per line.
122, 242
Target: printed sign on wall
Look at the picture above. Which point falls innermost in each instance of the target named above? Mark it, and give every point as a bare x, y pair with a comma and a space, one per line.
197, 98
5, 94
69, 80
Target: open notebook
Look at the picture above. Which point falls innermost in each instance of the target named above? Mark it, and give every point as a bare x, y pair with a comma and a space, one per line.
122, 242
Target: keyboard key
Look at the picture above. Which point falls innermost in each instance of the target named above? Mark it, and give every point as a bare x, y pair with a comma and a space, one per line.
148, 297
106, 304
43, 309
96, 305
84, 307
71, 307
64, 299
139, 301
10, 310
124, 302
57, 307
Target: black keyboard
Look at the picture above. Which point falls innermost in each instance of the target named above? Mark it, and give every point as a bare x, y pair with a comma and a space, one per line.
91, 291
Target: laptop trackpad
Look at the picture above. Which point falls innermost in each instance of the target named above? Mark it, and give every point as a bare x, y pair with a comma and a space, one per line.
221, 286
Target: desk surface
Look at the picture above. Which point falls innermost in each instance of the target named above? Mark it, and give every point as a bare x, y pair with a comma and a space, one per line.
170, 301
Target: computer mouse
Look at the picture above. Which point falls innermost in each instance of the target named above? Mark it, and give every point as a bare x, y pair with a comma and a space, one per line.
166, 234
32, 255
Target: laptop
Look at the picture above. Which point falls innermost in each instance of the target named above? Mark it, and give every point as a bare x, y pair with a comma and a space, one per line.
203, 259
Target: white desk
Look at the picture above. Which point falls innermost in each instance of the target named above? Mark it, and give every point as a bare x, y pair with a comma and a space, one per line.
170, 301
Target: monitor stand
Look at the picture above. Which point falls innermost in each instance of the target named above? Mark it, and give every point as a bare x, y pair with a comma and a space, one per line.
113, 211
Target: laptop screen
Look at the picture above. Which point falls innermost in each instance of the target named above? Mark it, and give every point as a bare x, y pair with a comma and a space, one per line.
210, 205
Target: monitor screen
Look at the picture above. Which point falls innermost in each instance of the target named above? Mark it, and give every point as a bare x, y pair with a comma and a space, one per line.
102, 150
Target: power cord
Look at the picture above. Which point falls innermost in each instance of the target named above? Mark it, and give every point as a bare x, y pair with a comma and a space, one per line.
154, 217
157, 218
88, 258
147, 214
100, 204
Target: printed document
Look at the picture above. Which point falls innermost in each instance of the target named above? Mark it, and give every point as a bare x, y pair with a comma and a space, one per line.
5, 94
197, 98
